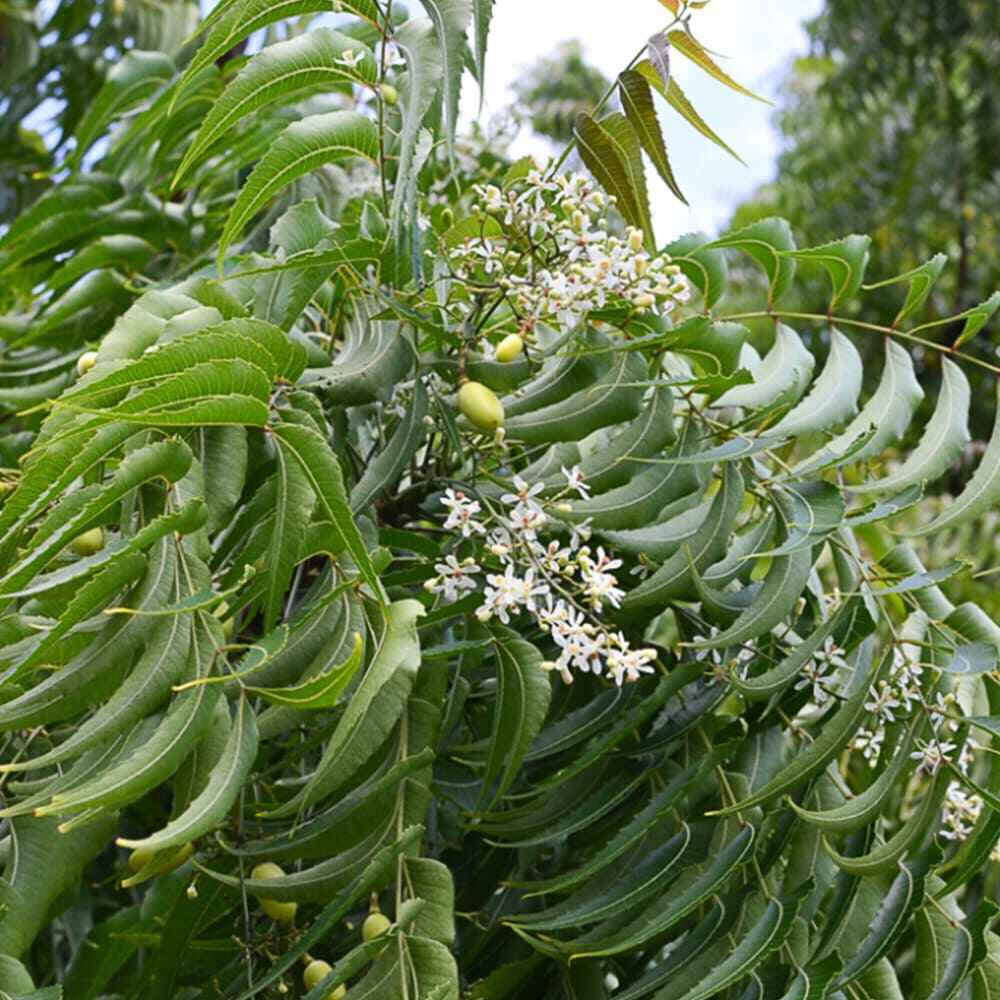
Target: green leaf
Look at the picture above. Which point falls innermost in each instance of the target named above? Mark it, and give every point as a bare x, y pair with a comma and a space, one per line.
287, 71
375, 706
922, 280
833, 397
905, 895
981, 492
766, 936
137, 76
782, 588
323, 690
885, 417
523, 694
845, 261
384, 472
482, 16
323, 472
695, 51
678, 100
975, 319
220, 793
611, 150
637, 101
418, 43
304, 146
944, 438
451, 19
833, 736
705, 268
767, 242
781, 378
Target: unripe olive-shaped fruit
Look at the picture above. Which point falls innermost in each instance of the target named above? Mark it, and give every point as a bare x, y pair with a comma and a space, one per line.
389, 93
316, 971
480, 406
375, 925
279, 912
89, 542
86, 361
510, 348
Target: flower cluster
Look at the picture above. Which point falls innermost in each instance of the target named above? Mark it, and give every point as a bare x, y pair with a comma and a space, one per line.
549, 249
564, 587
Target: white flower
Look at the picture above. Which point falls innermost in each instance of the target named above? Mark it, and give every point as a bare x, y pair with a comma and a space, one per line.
961, 810
350, 58
453, 578
814, 673
883, 702
943, 707
462, 511
932, 755
628, 664
524, 495
575, 480
869, 743
526, 521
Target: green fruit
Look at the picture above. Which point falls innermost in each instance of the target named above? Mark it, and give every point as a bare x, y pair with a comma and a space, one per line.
89, 542
280, 913
316, 972
375, 925
389, 93
480, 406
86, 361
510, 348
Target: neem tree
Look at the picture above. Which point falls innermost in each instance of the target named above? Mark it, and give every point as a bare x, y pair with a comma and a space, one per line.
410, 565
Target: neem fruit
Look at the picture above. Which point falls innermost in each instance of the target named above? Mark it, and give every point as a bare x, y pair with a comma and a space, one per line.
89, 543
86, 361
279, 912
374, 926
480, 406
510, 348
316, 971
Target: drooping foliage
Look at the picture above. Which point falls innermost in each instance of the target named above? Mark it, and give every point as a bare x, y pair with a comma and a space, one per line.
408, 564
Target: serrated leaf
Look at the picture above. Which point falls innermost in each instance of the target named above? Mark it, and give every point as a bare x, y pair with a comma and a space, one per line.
134, 78
833, 397
451, 19
782, 376
828, 743
678, 100
523, 695
286, 71
637, 102
982, 491
975, 319
611, 150
690, 47
884, 418
922, 280
220, 793
323, 471
767, 242
321, 691
305, 145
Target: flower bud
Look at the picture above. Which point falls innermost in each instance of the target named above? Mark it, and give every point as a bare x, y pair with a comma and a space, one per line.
480, 406
635, 239
86, 361
645, 301
510, 348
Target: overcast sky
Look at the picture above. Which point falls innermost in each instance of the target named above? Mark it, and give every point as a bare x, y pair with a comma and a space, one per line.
759, 40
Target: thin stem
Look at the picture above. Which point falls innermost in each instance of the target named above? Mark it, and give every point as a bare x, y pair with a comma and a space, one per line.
383, 58
861, 324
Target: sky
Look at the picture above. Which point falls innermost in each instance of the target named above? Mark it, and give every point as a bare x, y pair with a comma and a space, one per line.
754, 42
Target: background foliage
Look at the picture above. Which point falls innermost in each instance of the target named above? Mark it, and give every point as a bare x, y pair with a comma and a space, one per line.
696, 720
